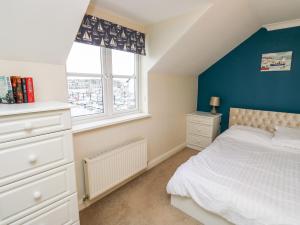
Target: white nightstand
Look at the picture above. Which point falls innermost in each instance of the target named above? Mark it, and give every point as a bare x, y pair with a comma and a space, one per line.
202, 129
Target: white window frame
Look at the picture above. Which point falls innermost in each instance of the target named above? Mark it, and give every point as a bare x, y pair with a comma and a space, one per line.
107, 83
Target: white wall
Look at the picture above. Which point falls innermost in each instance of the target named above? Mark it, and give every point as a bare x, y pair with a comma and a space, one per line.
170, 98
49, 80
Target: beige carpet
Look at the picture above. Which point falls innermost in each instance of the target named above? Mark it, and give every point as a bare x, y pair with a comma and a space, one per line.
143, 201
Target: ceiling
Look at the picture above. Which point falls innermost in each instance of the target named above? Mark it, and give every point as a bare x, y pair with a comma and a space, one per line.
39, 31
43, 36
222, 27
149, 12
273, 11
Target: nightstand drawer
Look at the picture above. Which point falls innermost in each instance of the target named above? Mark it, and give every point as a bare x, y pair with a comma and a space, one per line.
200, 119
200, 129
199, 140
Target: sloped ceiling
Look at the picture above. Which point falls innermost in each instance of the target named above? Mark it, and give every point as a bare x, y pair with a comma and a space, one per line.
273, 11
202, 32
165, 35
39, 30
222, 27
208, 37
149, 12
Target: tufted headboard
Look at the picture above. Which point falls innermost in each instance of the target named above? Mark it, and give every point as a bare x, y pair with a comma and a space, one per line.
266, 120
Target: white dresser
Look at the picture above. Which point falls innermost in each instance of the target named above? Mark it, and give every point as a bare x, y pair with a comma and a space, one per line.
37, 175
202, 129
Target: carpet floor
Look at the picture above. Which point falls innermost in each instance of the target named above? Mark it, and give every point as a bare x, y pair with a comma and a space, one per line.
143, 201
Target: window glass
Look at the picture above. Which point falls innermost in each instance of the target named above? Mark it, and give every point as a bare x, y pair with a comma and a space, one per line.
122, 63
89, 89
84, 58
86, 95
124, 94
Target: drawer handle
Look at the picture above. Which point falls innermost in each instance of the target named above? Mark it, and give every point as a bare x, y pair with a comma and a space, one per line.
37, 195
28, 126
32, 159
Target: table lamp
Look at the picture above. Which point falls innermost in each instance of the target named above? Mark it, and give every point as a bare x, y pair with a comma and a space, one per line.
214, 102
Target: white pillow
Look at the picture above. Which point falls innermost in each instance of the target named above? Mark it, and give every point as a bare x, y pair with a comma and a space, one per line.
287, 137
250, 134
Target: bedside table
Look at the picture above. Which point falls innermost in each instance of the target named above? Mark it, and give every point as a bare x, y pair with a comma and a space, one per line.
202, 129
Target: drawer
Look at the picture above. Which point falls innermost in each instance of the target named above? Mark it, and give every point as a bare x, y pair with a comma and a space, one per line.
200, 129
29, 125
63, 212
200, 119
195, 147
30, 156
24, 197
199, 140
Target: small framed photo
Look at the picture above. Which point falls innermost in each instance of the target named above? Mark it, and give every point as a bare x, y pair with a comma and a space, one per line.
281, 61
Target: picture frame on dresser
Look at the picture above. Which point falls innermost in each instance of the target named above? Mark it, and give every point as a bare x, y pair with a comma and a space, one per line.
201, 129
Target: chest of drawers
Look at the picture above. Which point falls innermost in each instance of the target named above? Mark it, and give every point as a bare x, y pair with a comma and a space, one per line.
202, 129
37, 175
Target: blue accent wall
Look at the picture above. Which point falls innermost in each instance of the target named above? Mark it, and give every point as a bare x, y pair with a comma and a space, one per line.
237, 79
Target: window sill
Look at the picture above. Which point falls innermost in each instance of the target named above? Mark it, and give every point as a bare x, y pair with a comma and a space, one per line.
108, 122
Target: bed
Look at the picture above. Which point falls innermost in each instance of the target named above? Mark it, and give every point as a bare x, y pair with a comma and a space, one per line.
241, 178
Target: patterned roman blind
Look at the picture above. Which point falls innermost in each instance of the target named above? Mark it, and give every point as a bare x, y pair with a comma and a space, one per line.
96, 31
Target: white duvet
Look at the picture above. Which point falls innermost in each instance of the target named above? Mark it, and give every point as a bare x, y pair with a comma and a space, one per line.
244, 178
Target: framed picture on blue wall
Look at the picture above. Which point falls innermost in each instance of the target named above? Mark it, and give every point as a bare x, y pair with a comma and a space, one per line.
280, 61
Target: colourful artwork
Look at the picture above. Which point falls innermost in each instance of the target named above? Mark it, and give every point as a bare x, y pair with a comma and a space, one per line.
281, 61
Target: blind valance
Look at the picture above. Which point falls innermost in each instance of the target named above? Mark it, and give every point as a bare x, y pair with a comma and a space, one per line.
96, 31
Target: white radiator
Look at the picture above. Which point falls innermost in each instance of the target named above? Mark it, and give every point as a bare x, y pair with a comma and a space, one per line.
110, 168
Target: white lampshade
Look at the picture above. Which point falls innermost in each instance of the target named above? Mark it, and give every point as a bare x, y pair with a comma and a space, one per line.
214, 101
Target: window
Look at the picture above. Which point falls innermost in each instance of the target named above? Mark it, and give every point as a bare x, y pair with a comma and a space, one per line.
101, 81
124, 85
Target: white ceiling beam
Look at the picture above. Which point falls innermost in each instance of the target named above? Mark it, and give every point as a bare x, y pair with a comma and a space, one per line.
282, 25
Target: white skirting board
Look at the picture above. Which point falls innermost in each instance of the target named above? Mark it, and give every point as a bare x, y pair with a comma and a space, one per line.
151, 164
165, 156
191, 208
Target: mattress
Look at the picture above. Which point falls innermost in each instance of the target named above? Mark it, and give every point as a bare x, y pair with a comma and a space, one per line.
243, 178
